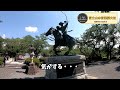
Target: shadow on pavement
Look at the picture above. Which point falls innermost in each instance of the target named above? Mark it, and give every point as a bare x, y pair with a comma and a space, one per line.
20, 71
97, 63
117, 68
30, 78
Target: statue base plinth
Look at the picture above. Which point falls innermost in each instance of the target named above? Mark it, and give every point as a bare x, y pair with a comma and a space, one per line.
32, 69
66, 67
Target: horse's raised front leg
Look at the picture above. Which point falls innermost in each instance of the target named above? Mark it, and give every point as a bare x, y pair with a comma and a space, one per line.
54, 49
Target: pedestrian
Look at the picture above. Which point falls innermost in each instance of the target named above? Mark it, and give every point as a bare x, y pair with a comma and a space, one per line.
4, 61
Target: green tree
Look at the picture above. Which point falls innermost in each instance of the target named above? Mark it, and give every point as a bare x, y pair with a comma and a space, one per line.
21, 45
26, 42
1, 44
100, 37
40, 44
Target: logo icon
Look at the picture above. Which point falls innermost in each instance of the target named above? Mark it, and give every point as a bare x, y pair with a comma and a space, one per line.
82, 18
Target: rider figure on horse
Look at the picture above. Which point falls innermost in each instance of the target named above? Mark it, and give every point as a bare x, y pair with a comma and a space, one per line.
61, 37
62, 28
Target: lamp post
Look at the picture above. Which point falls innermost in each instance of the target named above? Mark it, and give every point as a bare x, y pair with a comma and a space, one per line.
32, 56
32, 68
31, 48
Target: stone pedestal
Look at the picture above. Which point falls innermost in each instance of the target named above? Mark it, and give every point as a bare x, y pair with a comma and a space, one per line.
61, 67
32, 69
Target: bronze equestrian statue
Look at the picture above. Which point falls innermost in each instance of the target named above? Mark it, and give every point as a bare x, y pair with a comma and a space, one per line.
61, 39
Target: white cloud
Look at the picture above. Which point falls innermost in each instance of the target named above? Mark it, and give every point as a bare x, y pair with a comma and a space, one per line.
31, 29
3, 36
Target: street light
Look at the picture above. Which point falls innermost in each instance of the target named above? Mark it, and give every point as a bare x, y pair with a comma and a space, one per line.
32, 56
32, 68
31, 48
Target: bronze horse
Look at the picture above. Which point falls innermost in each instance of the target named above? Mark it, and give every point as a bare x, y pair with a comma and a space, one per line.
59, 41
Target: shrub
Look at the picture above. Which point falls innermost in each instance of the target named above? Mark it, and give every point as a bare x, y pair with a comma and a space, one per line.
35, 60
27, 61
1, 60
42, 60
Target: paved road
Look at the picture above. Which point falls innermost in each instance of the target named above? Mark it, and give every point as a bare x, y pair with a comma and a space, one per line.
106, 71
14, 73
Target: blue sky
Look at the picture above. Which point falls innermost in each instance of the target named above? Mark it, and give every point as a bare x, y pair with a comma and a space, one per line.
21, 23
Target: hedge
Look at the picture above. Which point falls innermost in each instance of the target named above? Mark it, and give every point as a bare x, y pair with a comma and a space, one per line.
1, 60
35, 60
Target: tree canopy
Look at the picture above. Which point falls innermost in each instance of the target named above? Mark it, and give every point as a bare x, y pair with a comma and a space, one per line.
21, 45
